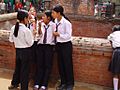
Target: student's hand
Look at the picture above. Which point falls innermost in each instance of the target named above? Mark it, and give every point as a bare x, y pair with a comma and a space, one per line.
56, 34
34, 32
32, 20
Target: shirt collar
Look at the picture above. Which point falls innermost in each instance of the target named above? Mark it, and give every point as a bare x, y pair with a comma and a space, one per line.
61, 21
21, 24
50, 23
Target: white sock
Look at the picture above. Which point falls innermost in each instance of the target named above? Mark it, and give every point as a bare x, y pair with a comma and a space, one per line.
115, 83
37, 86
43, 87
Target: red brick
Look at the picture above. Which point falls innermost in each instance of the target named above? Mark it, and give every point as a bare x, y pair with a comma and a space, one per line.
107, 53
98, 53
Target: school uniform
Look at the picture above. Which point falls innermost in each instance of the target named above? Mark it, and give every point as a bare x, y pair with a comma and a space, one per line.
64, 50
32, 27
22, 43
45, 54
114, 65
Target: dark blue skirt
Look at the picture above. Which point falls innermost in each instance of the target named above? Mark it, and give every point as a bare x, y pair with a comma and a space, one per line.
114, 65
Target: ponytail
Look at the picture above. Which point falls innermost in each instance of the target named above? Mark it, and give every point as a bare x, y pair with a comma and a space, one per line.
21, 15
65, 17
16, 29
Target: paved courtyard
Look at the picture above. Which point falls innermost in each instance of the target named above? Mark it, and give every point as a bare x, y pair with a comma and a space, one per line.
5, 79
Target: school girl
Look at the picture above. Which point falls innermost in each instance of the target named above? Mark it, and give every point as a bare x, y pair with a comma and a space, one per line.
45, 52
114, 65
32, 19
22, 38
64, 48
33, 27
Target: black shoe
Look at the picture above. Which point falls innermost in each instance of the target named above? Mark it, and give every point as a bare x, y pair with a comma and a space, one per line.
13, 87
69, 87
61, 87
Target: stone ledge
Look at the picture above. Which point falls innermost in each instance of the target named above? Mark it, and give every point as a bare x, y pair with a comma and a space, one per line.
90, 43
86, 43
7, 17
4, 35
89, 18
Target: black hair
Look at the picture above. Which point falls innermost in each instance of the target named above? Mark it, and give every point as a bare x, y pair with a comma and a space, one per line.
20, 16
116, 28
48, 13
59, 8
39, 15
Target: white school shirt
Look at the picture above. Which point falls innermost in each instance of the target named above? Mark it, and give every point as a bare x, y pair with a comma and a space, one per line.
24, 38
64, 29
50, 37
36, 37
115, 39
31, 29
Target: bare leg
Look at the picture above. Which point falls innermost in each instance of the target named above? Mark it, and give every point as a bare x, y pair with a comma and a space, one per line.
115, 82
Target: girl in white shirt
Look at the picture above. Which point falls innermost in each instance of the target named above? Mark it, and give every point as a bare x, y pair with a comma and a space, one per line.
114, 65
33, 27
63, 35
45, 52
22, 38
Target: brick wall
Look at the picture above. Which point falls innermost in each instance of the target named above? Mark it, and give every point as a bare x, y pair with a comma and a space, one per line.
82, 25
7, 52
91, 57
90, 27
82, 7
85, 26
